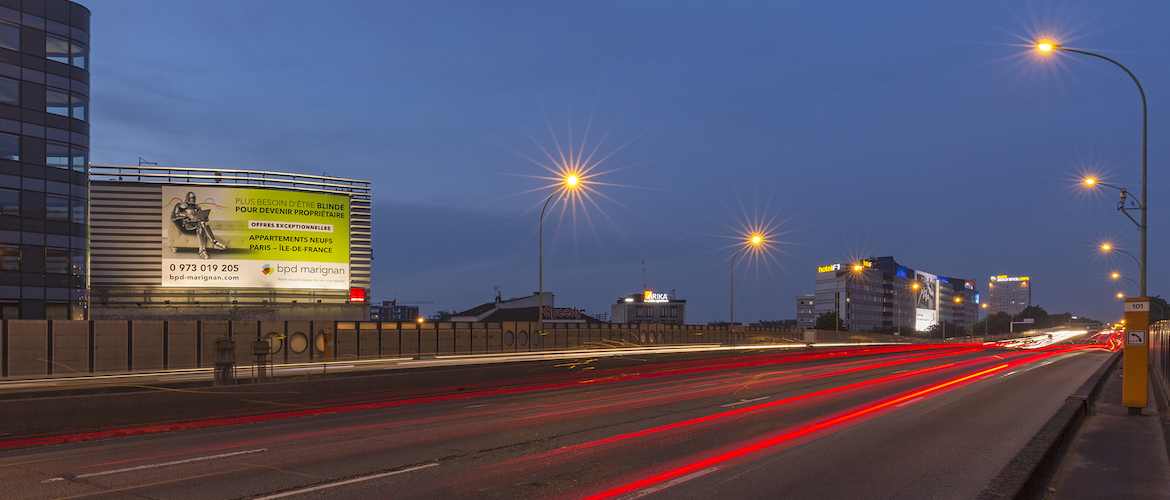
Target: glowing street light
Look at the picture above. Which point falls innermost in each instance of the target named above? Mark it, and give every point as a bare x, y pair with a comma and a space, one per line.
571, 183
1105, 247
1142, 203
754, 242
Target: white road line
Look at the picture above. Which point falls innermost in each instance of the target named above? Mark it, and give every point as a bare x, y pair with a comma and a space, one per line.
912, 401
672, 482
477, 406
746, 401
342, 483
899, 371
152, 466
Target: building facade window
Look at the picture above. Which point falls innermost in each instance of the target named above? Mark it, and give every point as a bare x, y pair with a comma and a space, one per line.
9, 147
80, 55
57, 261
78, 262
80, 160
57, 208
56, 48
9, 202
9, 257
9, 91
56, 102
57, 154
78, 211
9, 36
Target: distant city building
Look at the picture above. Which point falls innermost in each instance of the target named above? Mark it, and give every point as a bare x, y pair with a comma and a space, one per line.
877, 292
391, 311
523, 309
1009, 294
649, 307
805, 318
44, 159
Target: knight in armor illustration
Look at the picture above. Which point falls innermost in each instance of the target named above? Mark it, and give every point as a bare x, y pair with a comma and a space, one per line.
190, 216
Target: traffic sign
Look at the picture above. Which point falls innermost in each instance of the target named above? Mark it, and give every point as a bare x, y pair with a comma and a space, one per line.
1137, 306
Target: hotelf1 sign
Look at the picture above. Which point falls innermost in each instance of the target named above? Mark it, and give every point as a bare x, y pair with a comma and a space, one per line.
254, 238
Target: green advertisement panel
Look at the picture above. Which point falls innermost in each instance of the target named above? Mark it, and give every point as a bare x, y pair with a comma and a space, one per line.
245, 237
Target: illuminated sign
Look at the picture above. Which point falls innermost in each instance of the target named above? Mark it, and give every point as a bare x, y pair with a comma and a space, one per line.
254, 238
1003, 277
571, 313
357, 295
970, 285
656, 297
831, 268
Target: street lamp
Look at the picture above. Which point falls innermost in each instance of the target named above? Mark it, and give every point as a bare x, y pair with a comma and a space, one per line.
1142, 203
985, 320
570, 183
418, 346
755, 241
1118, 276
1108, 248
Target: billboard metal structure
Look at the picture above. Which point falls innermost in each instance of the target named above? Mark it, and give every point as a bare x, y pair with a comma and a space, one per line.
166, 241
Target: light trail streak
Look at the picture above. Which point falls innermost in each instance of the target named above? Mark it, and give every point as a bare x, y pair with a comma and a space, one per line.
688, 368
852, 416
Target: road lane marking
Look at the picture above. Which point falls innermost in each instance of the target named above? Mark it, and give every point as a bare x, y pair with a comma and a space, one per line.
343, 483
746, 401
164, 464
672, 482
477, 406
912, 401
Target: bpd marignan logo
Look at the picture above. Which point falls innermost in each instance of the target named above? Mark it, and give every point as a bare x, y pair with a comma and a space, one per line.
267, 269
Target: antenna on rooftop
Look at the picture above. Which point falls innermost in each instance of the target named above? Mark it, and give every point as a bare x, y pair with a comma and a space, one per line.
142, 162
643, 275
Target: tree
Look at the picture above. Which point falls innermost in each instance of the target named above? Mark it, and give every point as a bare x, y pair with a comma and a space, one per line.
829, 321
442, 316
946, 329
1158, 309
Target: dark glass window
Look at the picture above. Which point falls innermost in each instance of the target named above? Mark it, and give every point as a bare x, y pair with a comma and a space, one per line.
10, 147
79, 263
56, 102
79, 210
80, 159
57, 154
57, 207
80, 107
9, 202
9, 91
57, 261
80, 55
9, 257
9, 36
57, 48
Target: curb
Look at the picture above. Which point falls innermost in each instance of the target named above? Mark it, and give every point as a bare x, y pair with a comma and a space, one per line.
1028, 473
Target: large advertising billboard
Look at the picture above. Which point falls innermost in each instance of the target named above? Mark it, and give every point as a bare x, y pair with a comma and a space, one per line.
254, 238
926, 303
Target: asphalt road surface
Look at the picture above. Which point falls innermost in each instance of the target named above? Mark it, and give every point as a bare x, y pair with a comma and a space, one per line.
923, 421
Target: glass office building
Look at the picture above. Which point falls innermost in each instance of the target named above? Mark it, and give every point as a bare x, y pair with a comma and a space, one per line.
44, 159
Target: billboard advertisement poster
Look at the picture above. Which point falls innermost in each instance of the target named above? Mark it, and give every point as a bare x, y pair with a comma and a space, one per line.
254, 238
926, 302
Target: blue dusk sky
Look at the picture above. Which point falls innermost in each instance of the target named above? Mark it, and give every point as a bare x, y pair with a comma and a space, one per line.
931, 131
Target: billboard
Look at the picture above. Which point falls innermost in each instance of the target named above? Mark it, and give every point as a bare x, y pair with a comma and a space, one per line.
926, 303
254, 238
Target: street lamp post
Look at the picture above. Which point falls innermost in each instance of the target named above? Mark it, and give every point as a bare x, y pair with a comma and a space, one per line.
1143, 202
756, 240
570, 182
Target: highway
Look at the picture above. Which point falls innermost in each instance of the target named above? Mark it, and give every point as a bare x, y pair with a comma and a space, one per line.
908, 421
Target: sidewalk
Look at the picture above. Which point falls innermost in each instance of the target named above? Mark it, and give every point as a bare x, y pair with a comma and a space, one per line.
1115, 455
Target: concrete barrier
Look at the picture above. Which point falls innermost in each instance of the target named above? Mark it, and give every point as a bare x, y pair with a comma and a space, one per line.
37, 348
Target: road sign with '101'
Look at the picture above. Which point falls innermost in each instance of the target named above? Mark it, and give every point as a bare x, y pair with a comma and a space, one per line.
1135, 358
